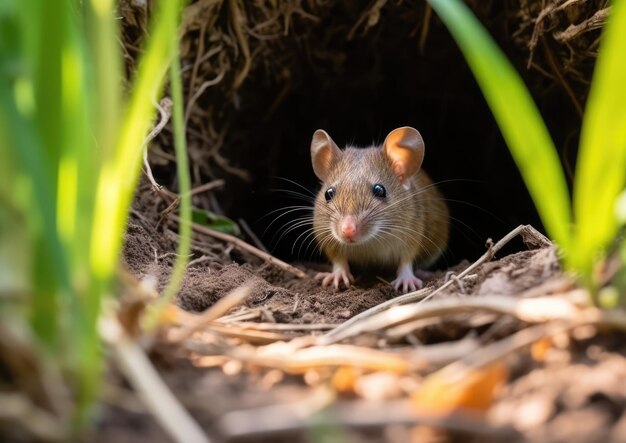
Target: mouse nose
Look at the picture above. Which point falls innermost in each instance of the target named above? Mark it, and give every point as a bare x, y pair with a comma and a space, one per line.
348, 227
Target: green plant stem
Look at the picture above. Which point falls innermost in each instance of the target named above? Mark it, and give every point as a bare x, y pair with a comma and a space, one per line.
184, 184
119, 175
601, 165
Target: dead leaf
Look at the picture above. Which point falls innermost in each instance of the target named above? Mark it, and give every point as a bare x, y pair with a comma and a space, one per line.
428, 434
170, 315
443, 393
540, 349
344, 379
378, 386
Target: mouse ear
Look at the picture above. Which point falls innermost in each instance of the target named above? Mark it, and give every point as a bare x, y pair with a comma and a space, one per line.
404, 147
324, 153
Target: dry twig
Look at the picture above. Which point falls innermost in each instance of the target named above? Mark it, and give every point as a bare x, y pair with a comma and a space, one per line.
284, 326
225, 304
533, 310
145, 379
596, 21
530, 234
246, 228
246, 247
254, 337
238, 22
294, 358
244, 315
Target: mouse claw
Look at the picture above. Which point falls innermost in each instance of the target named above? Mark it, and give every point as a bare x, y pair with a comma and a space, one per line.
407, 285
335, 278
407, 281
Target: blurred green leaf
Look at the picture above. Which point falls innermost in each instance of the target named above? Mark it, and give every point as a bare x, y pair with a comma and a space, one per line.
120, 172
601, 166
620, 209
70, 146
184, 181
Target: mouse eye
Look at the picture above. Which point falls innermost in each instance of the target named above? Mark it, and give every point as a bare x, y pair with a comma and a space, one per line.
379, 191
329, 194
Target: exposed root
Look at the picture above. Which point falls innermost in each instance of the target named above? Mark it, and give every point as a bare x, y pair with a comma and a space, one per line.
165, 112
596, 21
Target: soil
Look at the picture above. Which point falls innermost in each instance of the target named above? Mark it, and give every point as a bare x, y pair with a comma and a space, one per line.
574, 394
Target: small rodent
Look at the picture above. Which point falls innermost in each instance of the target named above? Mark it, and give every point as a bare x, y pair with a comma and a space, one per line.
377, 207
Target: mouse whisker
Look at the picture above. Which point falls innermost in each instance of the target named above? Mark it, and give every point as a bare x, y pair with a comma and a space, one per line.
420, 235
296, 225
285, 213
309, 241
290, 226
295, 220
306, 232
297, 184
294, 194
390, 233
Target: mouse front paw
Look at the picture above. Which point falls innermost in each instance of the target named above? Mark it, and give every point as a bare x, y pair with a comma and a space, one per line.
406, 280
336, 277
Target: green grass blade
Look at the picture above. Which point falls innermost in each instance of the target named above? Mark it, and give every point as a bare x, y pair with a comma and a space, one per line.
601, 166
92, 78
23, 139
182, 168
101, 25
520, 122
119, 175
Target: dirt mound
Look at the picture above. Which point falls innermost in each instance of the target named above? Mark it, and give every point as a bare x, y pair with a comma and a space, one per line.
544, 399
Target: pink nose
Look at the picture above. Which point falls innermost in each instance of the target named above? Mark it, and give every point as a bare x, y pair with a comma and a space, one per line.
348, 227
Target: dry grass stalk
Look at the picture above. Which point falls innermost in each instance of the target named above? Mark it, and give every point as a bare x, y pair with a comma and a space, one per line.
530, 234
157, 397
288, 357
246, 247
534, 310
284, 326
225, 304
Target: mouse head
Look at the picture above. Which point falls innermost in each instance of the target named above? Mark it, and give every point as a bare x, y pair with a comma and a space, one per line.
363, 188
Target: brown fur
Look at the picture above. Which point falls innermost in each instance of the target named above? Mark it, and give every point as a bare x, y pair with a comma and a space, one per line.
415, 221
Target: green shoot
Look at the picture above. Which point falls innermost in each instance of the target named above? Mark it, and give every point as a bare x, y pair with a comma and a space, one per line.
180, 145
601, 166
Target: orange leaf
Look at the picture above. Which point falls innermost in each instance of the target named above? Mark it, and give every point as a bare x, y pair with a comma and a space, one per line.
344, 379
170, 315
540, 348
443, 393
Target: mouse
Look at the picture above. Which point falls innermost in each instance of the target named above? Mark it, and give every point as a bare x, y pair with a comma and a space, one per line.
377, 207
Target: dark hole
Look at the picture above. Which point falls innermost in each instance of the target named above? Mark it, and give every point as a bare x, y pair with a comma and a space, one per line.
360, 91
